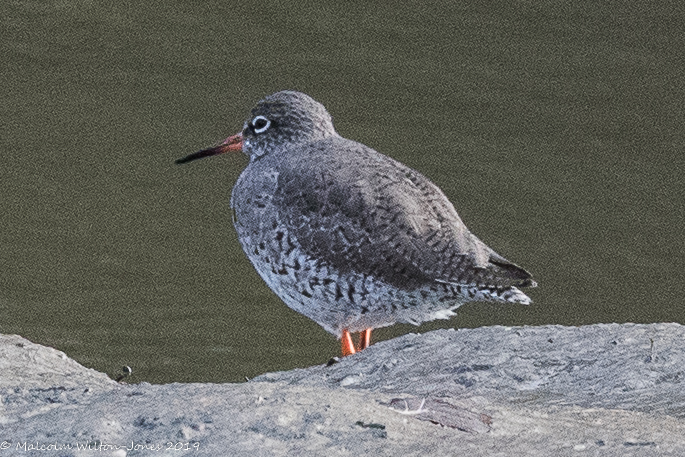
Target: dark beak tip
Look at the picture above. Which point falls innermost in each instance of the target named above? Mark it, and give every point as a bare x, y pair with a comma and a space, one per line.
198, 155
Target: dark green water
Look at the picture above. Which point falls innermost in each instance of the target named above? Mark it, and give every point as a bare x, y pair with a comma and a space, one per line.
557, 129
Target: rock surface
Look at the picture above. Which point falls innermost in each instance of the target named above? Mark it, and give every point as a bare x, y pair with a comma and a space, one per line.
599, 390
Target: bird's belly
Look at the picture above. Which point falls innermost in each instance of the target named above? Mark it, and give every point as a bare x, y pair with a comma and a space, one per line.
335, 300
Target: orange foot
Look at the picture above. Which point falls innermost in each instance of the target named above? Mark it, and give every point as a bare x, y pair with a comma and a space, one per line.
348, 346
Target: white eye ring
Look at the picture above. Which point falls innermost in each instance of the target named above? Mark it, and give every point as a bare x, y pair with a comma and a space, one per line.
260, 124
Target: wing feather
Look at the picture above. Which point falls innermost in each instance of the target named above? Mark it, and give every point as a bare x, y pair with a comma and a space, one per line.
364, 212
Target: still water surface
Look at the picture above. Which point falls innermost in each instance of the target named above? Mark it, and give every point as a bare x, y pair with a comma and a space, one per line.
556, 129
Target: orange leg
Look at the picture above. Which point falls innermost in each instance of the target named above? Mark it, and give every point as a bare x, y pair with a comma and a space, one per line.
347, 344
348, 347
365, 339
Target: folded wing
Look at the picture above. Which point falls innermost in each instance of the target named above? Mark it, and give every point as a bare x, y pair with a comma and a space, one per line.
370, 214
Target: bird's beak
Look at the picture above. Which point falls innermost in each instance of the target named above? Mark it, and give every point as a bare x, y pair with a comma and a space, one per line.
232, 143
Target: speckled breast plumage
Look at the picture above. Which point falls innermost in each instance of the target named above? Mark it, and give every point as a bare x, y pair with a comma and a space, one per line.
275, 232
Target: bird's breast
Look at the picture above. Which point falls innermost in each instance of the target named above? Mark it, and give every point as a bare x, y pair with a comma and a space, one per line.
252, 200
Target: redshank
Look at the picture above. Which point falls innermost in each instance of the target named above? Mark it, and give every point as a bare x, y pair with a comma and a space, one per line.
347, 236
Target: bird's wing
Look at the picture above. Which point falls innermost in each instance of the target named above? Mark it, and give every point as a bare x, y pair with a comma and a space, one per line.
365, 212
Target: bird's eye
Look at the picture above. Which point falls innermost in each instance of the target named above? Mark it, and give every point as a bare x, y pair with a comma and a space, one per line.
260, 124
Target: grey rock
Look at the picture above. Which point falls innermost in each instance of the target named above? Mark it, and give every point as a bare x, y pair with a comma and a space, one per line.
599, 390
32, 365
